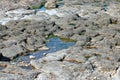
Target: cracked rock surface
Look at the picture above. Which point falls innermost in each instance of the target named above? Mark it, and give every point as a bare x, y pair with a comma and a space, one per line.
95, 26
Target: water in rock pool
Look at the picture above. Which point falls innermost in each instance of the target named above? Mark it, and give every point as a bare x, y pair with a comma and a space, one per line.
54, 44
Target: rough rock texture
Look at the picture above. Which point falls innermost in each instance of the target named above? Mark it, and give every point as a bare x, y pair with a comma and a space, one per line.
95, 56
24, 36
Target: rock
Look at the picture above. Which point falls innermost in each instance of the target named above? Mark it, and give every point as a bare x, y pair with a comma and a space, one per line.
16, 73
114, 10
37, 64
30, 48
34, 17
95, 56
12, 51
9, 42
80, 43
117, 75
9, 53
58, 70
75, 58
51, 4
58, 56
15, 4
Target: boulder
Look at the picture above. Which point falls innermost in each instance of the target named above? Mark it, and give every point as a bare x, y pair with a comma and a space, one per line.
12, 52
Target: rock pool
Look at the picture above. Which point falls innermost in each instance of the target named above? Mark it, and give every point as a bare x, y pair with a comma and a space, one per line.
54, 44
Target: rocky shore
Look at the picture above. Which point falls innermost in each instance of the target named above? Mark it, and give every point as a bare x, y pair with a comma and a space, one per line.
93, 24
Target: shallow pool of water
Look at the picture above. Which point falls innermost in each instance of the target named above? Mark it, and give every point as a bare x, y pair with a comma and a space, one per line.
54, 44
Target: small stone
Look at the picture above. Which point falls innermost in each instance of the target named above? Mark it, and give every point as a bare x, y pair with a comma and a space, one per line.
32, 57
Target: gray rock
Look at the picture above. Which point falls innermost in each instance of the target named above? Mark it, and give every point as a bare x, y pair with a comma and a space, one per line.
37, 64
12, 51
17, 73
58, 56
9, 53
75, 58
58, 70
